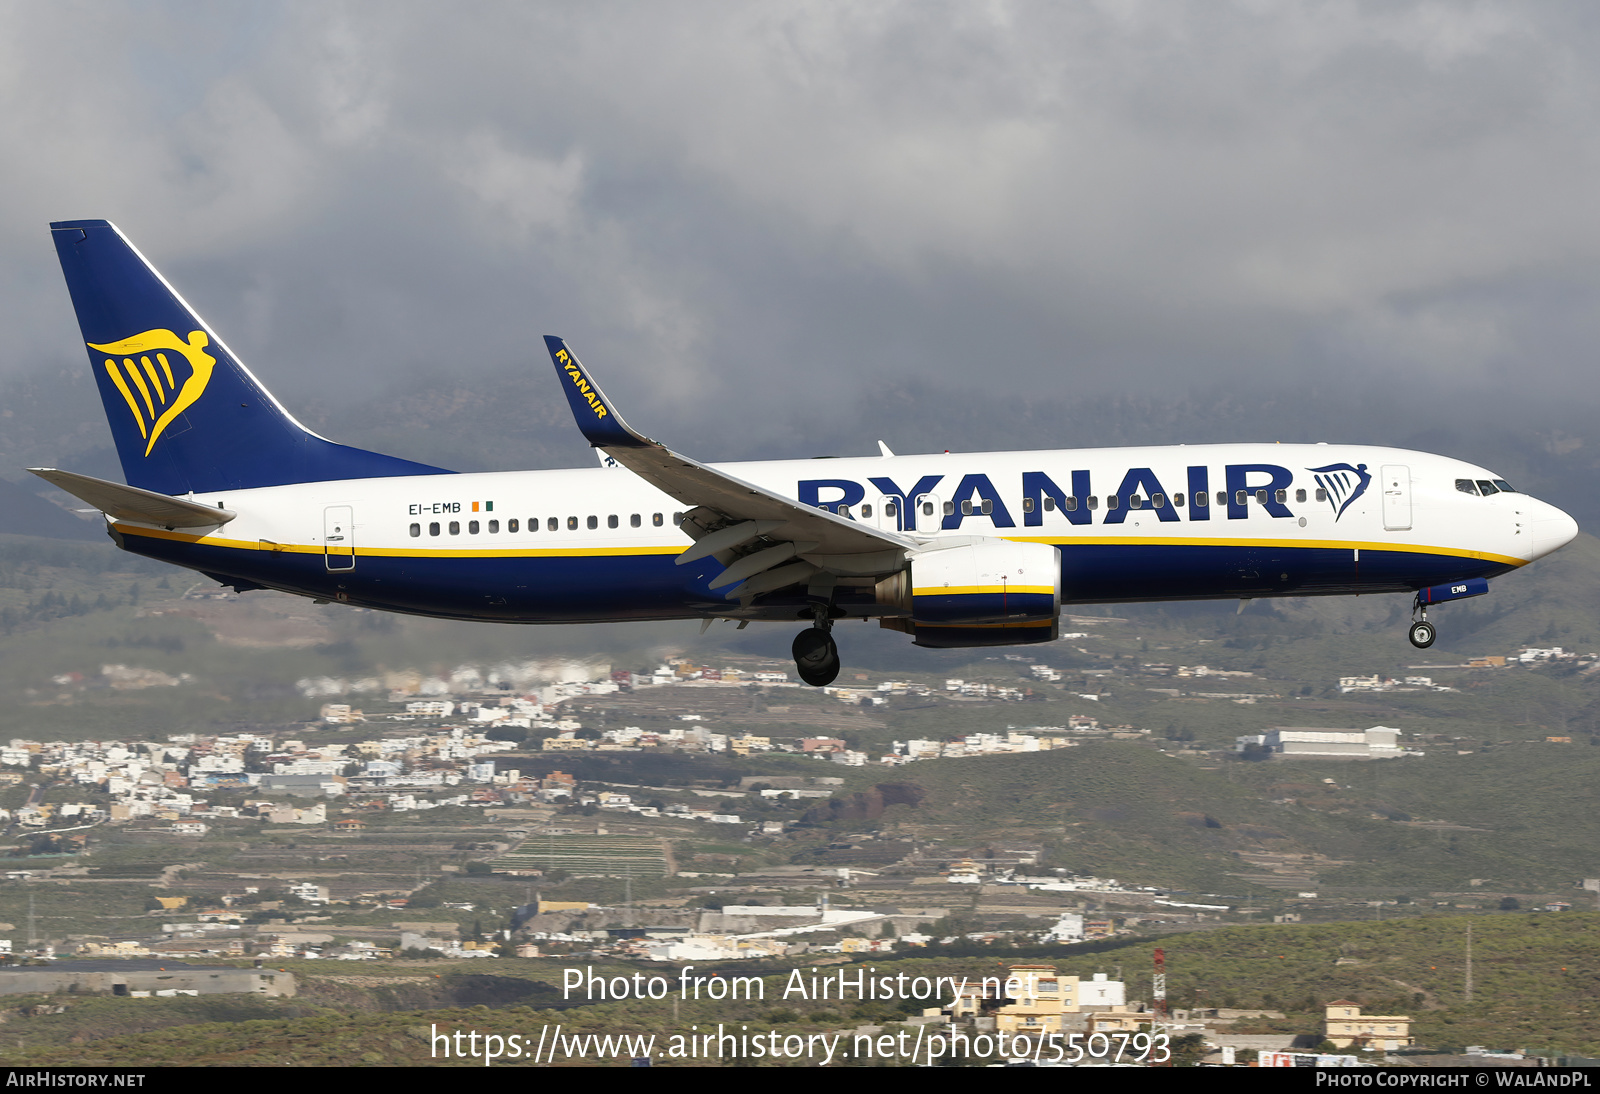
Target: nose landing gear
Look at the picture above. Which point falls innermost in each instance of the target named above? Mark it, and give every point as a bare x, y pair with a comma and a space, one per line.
816, 656
1422, 632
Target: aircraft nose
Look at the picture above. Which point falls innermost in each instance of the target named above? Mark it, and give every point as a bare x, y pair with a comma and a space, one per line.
1549, 528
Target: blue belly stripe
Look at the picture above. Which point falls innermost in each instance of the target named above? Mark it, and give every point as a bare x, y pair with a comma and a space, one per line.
589, 588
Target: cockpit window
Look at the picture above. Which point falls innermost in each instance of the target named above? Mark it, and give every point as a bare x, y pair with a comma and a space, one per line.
1487, 487
1467, 486
1504, 486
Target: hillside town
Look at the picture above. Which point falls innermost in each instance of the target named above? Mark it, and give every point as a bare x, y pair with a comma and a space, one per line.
505, 743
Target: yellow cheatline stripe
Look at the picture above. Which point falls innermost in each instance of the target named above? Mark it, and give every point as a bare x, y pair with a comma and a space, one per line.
1288, 544
389, 552
399, 552
979, 590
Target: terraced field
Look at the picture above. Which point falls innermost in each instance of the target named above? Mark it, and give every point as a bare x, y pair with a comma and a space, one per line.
590, 856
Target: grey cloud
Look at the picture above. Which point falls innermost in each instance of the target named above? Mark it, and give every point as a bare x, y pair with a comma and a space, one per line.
739, 212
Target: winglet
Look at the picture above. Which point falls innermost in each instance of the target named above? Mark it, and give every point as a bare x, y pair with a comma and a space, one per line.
598, 420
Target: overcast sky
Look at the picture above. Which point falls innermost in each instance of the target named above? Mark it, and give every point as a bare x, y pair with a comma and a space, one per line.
759, 211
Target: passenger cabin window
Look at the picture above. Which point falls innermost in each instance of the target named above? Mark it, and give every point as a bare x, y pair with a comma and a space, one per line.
844, 510
593, 522
1322, 495
1282, 496
1222, 497
950, 508
416, 530
1261, 497
866, 511
890, 509
1201, 498
1240, 497
1027, 505
1071, 506
677, 519
554, 524
634, 521
1467, 486
966, 508
1113, 501
611, 521
988, 507
1135, 502
514, 525
494, 527
927, 508
1049, 504
472, 527
433, 528
455, 528
1299, 495
656, 520
572, 524
1094, 502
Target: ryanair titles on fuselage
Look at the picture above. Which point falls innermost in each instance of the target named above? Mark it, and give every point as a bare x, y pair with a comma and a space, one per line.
1239, 485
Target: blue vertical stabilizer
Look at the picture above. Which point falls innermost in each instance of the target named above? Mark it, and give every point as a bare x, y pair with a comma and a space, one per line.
185, 414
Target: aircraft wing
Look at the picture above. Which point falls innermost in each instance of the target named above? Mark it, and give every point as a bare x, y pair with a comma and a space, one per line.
131, 503
784, 538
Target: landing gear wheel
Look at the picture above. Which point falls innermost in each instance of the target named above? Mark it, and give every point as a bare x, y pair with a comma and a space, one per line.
1422, 634
816, 657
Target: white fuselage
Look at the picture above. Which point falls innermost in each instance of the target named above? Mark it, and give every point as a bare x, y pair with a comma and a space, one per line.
591, 544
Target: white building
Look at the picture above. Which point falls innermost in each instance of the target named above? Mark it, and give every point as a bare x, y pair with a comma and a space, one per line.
1102, 992
1379, 742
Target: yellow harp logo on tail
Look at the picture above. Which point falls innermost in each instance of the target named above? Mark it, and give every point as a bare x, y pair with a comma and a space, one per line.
145, 376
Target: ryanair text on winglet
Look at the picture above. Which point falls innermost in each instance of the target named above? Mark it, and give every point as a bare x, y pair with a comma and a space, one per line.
584, 389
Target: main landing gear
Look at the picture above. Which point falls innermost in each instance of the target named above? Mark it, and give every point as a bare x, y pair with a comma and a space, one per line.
1422, 633
816, 657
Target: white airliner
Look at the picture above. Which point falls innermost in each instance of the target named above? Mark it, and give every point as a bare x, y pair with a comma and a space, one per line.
953, 549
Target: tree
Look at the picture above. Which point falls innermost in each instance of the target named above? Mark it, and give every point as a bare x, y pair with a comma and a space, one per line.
1510, 904
1188, 1050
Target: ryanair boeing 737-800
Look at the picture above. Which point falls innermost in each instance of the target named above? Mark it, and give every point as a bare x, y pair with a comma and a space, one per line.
953, 549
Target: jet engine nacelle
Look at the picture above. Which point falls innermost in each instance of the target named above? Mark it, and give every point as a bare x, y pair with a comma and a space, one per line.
983, 592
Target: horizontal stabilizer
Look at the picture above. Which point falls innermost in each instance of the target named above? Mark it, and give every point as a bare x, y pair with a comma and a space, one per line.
131, 503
